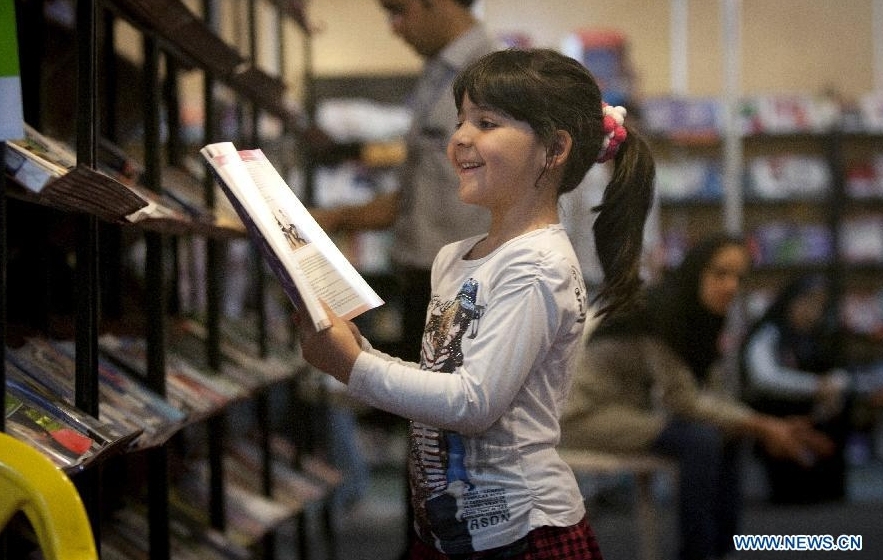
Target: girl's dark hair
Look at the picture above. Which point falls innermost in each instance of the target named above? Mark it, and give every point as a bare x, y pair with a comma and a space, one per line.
551, 92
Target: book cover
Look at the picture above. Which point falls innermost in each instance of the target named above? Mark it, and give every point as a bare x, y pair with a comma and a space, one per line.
257, 370
306, 261
188, 388
108, 436
34, 160
124, 400
63, 444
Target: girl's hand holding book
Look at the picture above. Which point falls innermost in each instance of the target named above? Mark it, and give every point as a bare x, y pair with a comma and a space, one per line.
333, 350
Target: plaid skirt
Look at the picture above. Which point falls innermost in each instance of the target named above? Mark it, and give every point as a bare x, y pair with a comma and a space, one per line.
576, 542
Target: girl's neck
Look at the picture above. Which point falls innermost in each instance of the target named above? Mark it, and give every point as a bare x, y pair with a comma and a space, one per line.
509, 227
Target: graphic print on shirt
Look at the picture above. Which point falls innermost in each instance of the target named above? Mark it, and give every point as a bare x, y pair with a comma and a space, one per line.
446, 503
579, 293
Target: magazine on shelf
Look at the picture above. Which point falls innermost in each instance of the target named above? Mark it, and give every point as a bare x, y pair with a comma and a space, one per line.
247, 366
249, 514
196, 392
126, 534
48, 169
108, 435
69, 437
35, 159
66, 446
308, 264
125, 401
194, 351
244, 461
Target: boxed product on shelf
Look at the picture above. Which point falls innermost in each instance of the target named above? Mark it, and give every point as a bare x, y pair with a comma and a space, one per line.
682, 116
689, 179
864, 179
788, 113
780, 243
871, 111
861, 239
784, 176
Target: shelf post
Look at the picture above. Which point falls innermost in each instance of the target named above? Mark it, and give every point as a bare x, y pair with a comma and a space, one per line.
679, 60
87, 276
732, 141
158, 476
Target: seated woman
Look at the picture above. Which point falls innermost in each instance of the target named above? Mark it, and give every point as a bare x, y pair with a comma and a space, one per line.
646, 383
791, 365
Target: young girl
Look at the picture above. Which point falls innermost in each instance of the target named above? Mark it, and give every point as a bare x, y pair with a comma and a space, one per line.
507, 314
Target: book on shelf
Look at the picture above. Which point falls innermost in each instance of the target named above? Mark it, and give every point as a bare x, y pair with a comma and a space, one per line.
196, 392
125, 401
306, 261
34, 160
47, 168
255, 370
311, 464
249, 515
193, 350
296, 487
125, 536
69, 437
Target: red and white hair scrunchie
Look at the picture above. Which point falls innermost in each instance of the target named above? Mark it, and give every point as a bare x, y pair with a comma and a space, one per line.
614, 131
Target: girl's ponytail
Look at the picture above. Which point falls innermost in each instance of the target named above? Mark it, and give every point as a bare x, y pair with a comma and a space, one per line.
619, 225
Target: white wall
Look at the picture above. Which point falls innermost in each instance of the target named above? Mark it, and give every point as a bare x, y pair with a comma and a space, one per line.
788, 45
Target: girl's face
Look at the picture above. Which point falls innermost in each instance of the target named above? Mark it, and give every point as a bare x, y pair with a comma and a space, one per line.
722, 278
496, 157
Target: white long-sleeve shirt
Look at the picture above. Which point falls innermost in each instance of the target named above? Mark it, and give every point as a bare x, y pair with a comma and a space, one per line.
498, 349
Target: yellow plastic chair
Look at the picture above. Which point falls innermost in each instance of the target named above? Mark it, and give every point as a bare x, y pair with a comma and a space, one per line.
32, 484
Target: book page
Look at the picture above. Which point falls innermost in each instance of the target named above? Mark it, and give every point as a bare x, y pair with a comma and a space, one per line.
332, 276
236, 183
304, 258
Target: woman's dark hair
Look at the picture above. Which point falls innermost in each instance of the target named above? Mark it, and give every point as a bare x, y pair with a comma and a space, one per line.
680, 317
672, 310
551, 92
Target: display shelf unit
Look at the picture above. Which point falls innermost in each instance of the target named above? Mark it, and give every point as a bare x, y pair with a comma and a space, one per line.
90, 200
808, 202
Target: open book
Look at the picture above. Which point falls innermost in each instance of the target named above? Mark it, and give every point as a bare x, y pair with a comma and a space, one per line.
307, 262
